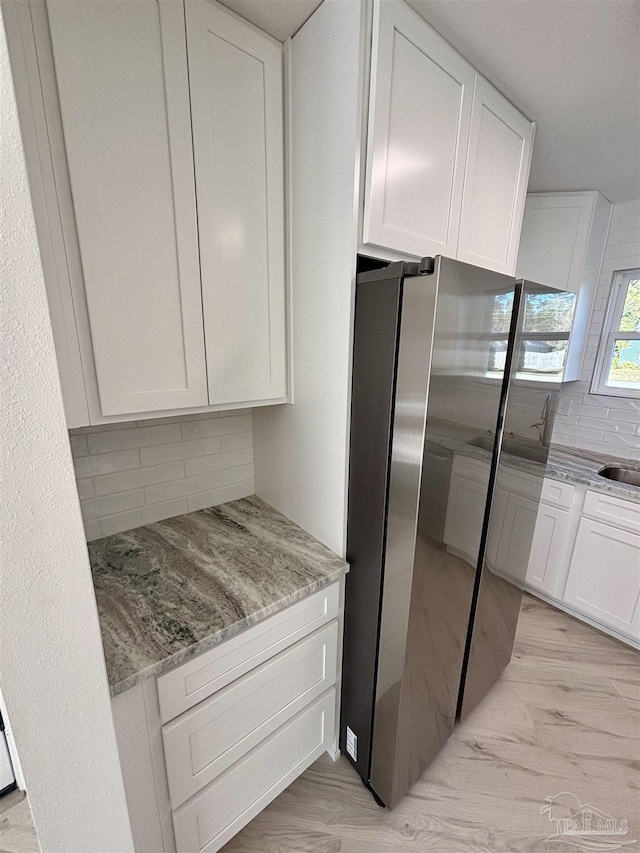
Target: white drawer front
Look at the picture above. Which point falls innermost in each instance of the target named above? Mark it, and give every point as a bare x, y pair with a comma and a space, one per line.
197, 679
211, 818
613, 510
557, 493
202, 743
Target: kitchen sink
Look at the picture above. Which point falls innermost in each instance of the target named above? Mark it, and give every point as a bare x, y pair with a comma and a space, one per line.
514, 447
629, 474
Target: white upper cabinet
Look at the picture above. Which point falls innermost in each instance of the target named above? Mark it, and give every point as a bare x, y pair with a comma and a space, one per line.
500, 145
419, 116
121, 68
235, 76
562, 243
555, 235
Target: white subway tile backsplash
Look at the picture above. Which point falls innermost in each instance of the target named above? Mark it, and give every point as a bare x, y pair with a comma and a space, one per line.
237, 475
106, 463
86, 489
217, 496
145, 515
138, 477
588, 409
123, 439
607, 425
79, 445
236, 441
183, 487
218, 461
110, 504
182, 450
140, 472
92, 529
220, 426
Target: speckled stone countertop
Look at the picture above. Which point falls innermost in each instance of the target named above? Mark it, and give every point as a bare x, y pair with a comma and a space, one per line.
173, 589
567, 464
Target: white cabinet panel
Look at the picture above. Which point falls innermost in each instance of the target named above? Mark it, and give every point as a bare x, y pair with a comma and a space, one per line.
546, 550
209, 819
514, 546
419, 114
555, 232
121, 69
205, 741
235, 78
465, 514
604, 575
497, 172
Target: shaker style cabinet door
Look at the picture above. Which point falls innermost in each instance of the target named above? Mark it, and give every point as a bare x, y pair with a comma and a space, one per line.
546, 549
235, 77
121, 69
495, 186
419, 115
603, 580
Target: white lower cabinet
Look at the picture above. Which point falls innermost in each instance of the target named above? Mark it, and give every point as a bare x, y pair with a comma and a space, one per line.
208, 744
577, 548
604, 575
205, 741
586, 557
546, 550
215, 815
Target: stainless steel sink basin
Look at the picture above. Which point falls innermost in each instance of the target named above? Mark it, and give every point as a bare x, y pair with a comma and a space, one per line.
629, 474
514, 447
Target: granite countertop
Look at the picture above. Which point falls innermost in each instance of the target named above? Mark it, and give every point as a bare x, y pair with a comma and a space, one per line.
567, 464
173, 589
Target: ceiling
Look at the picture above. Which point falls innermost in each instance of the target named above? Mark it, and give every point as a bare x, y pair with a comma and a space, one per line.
573, 66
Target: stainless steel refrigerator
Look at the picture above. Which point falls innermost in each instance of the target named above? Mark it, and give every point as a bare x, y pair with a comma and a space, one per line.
456, 371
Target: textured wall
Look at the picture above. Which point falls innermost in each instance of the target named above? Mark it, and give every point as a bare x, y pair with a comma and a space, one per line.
604, 423
135, 473
51, 667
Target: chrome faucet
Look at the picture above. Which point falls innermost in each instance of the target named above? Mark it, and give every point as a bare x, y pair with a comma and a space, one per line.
545, 425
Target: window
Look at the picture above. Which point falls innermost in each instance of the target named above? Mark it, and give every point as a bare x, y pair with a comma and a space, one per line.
617, 370
545, 334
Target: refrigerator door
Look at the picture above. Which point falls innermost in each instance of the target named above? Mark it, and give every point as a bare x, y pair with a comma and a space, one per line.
535, 363
448, 392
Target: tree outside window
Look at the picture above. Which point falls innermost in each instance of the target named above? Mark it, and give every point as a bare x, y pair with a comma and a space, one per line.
617, 371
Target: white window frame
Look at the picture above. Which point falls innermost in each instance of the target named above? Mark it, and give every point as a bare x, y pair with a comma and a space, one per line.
611, 331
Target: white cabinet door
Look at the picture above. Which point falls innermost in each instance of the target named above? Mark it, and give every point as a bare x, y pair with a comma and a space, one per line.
495, 186
419, 114
121, 69
235, 78
465, 514
555, 232
546, 550
604, 576
516, 535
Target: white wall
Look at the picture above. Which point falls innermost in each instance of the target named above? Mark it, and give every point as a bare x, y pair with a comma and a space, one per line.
604, 423
135, 473
51, 664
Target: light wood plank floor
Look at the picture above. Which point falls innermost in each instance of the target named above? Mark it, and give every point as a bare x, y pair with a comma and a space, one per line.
565, 716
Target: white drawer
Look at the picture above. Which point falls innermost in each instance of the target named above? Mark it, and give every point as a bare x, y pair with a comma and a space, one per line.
189, 683
613, 510
202, 743
208, 820
558, 494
